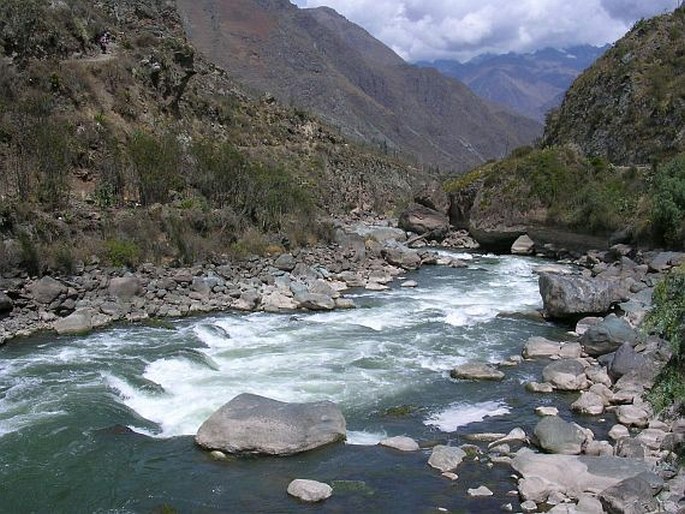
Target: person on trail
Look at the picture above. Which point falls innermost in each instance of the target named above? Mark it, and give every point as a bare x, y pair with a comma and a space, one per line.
104, 41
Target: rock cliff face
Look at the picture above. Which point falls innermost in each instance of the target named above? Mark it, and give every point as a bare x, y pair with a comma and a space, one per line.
318, 60
629, 107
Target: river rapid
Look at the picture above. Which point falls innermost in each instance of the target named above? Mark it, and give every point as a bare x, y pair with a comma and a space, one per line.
104, 423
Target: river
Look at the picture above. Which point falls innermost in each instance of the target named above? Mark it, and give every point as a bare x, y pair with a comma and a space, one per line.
104, 423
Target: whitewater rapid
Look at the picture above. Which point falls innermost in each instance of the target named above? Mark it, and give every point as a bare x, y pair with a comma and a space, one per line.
393, 344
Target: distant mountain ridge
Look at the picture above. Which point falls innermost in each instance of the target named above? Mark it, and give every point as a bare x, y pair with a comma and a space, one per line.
318, 60
629, 107
530, 84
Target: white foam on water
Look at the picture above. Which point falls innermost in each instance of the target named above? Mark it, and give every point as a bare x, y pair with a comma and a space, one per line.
354, 358
364, 438
461, 414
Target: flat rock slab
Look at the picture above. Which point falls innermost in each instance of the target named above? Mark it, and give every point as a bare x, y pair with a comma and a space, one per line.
309, 490
253, 424
577, 474
477, 371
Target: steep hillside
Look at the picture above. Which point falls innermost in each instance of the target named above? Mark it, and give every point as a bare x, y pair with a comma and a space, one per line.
147, 152
629, 107
316, 59
530, 84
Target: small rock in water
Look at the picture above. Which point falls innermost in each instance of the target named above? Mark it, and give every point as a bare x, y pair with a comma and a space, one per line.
409, 283
401, 443
546, 411
309, 490
450, 475
529, 506
218, 455
446, 458
481, 491
619, 432
536, 387
476, 371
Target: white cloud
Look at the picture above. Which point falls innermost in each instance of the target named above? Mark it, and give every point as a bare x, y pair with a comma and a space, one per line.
460, 29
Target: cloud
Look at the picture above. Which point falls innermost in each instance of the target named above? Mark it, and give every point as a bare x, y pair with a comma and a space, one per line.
461, 29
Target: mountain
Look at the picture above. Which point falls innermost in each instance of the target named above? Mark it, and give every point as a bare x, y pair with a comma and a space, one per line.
146, 152
530, 84
629, 107
612, 160
317, 60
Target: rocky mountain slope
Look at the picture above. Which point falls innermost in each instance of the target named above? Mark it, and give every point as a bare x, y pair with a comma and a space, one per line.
586, 178
530, 84
147, 152
316, 59
629, 107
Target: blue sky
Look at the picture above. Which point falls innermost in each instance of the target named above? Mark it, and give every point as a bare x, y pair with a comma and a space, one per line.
461, 29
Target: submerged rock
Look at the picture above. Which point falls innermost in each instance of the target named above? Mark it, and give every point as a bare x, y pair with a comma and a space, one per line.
253, 424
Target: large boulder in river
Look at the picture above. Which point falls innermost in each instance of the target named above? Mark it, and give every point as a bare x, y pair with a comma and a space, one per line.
253, 424
558, 436
575, 475
607, 336
574, 296
423, 220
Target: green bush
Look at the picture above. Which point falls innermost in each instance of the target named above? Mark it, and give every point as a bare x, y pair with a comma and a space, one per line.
667, 318
668, 203
156, 164
263, 194
122, 253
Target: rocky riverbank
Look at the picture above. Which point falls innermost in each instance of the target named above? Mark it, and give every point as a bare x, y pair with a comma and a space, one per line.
368, 254
611, 365
608, 364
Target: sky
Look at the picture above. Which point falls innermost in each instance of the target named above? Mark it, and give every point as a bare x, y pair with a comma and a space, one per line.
461, 29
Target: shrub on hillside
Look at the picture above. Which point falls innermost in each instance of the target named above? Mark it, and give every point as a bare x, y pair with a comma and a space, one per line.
156, 164
668, 203
667, 318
